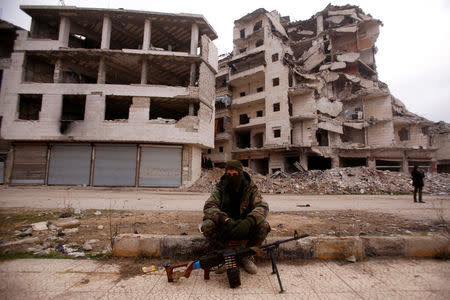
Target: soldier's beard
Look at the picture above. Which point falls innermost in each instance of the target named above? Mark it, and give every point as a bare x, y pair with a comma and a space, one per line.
235, 181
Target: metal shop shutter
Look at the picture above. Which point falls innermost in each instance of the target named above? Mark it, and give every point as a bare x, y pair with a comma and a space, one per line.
70, 164
115, 165
160, 166
29, 164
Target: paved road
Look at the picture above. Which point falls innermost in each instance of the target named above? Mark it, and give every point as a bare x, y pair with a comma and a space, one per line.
85, 279
144, 199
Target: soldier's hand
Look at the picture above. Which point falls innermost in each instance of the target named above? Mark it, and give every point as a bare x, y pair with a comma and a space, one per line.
230, 224
242, 228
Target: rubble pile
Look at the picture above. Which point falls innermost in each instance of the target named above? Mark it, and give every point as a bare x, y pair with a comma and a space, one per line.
357, 180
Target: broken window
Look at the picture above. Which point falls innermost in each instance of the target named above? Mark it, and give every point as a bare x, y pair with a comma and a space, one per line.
242, 33
277, 133
244, 119
243, 139
259, 113
242, 94
259, 43
73, 107
257, 26
403, 134
220, 125
322, 137
352, 135
221, 149
38, 69
276, 81
425, 130
29, 107
259, 90
209, 151
258, 140
275, 57
276, 106
353, 162
117, 107
162, 108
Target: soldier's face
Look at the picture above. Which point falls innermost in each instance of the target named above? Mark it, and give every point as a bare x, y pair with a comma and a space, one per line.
232, 172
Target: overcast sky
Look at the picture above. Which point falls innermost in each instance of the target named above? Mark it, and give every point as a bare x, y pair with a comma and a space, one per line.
413, 47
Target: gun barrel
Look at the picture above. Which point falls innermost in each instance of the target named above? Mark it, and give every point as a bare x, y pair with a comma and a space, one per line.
277, 243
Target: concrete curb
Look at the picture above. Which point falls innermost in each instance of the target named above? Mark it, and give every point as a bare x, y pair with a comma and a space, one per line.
188, 247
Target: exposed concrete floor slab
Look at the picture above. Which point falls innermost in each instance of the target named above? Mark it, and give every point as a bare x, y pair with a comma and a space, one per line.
371, 279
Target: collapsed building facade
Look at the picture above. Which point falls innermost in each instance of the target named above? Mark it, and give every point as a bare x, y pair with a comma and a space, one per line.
306, 95
108, 97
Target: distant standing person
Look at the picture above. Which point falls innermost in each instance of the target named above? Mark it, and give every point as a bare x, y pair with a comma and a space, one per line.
417, 176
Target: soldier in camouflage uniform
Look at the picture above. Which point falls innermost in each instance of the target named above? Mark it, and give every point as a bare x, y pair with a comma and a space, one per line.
235, 211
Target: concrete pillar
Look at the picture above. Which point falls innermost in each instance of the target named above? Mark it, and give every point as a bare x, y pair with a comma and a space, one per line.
335, 162
64, 31
144, 68
139, 110
371, 162
58, 73
101, 76
146, 43
191, 109
194, 39
193, 74
106, 32
319, 24
405, 166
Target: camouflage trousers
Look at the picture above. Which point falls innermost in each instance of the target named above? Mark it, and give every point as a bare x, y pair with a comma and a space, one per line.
217, 236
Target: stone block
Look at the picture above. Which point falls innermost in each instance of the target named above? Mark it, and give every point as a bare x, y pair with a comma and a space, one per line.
150, 245
338, 248
127, 245
183, 246
66, 222
426, 246
383, 246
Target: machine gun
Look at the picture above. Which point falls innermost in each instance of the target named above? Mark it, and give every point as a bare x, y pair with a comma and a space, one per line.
228, 257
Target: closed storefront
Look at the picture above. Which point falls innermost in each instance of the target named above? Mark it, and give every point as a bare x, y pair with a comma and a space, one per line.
160, 166
29, 164
115, 165
69, 164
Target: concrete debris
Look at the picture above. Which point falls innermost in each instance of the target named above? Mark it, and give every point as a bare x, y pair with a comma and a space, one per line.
348, 57
28, 240
66, 223
39, 226
351, 259
70, 230
332, 181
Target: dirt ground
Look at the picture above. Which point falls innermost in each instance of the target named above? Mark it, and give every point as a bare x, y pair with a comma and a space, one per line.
103, 227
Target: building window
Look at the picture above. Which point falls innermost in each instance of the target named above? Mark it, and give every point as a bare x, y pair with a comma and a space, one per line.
29, 107
242, 94
220, 125
259, 113
259, 90
257, 26
276, 81
244, 119
275, 57
242, 50
117, 107
242, 33
209, 151
277, 133
220, 149
276, 107
73, 107
403, 134
259, 43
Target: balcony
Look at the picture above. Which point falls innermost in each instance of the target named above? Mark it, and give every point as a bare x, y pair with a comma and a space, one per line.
303, 116
244, 75
256, 98
255, 122
223, 136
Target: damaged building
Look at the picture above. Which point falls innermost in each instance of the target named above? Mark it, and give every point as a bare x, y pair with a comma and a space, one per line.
306, 95
109, 97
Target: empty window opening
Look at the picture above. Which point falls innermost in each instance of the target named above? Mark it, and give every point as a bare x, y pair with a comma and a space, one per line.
276, 106
259, 43
170, 109
319, 163
260, 166
275, 57
209, 151
43, 30
244, 119
394, 165
259, 113
242, 50
277, 133
257, 26
260, 89
73, 107
403, 134
425, 129
117, 107
78, 40
352, 135
242, 33
322, 137
29, 107
242, 94
243, 139
352, 162
258, 140
220, 149
289, 164
38, 69
276, 81
220, 125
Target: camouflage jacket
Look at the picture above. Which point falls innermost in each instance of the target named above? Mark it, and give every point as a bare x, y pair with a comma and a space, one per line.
251, 202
